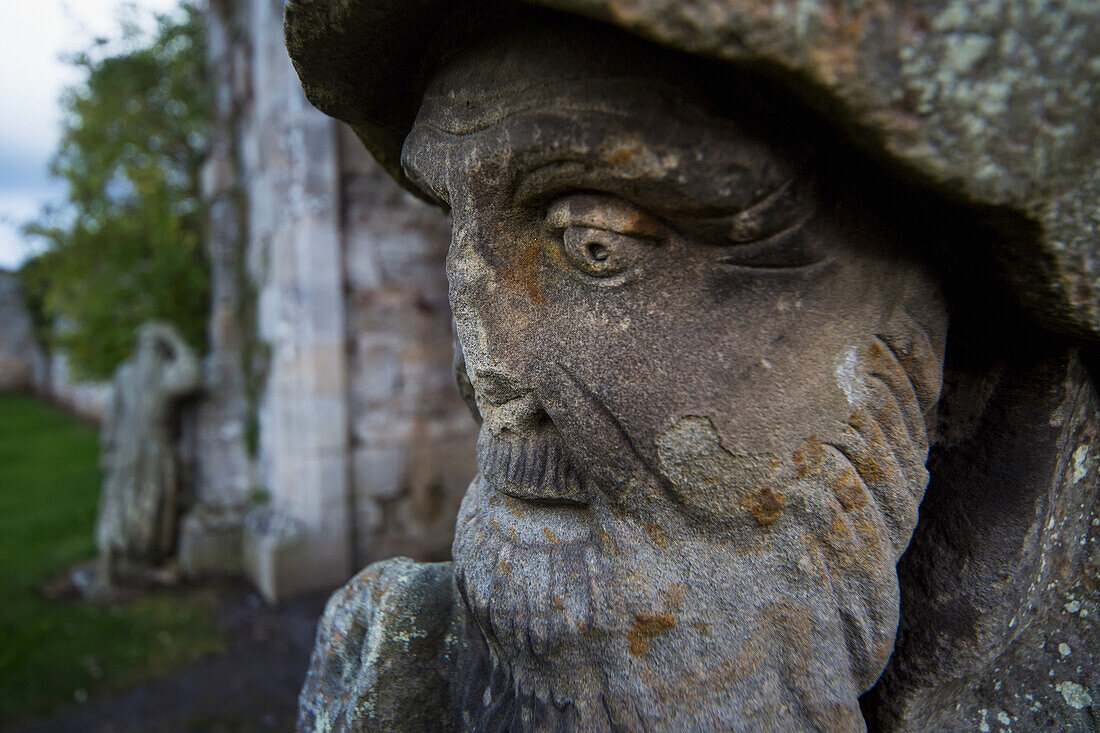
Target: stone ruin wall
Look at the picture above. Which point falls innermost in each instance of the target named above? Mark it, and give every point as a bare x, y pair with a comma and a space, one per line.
25, 367
331, 416
22, 365
411, 441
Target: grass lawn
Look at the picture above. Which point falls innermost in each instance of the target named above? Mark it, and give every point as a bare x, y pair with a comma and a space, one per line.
58, 652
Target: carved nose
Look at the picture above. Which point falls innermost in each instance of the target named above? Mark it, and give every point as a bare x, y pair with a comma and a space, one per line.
489, 355
506, 406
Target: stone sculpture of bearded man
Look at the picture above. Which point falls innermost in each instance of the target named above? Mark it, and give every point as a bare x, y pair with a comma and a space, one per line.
706, 372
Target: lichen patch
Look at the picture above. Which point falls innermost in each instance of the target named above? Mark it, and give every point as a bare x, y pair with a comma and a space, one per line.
646, 627
1076, 696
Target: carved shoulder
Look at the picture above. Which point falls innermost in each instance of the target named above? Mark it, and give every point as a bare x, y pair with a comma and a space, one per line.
383, 652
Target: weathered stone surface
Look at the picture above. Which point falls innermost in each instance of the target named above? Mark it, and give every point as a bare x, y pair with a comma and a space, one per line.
136, 521
1001, 585
22, 366
704, 339
389, 638
992, 103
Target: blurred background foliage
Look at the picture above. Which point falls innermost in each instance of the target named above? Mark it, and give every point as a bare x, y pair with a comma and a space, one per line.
127, 246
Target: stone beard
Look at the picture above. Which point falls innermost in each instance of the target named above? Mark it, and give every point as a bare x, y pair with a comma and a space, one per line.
600, 618
706, 373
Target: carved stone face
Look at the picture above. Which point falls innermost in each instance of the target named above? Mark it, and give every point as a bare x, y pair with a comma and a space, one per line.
703, 378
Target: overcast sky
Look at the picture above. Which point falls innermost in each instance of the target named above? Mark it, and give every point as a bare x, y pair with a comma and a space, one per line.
33, 35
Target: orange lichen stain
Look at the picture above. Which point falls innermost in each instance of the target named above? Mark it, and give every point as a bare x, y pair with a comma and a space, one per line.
867, 531
765, 506
875, 436
557, 602
646, 628
657, 533
622, 156
870, 469
522, 273
858, 419
866, 461
848, 489
505, 530
606, 543
674, 594
882, 362
814, 450
801, 467
643, 224
809, 457
550, 536
841, 538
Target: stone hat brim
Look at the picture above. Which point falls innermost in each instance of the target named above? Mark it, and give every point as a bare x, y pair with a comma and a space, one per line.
929, 90
361, 61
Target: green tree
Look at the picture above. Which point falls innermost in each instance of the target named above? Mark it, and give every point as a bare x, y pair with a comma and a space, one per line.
127, 246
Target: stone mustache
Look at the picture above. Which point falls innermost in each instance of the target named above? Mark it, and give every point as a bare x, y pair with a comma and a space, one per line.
705, 365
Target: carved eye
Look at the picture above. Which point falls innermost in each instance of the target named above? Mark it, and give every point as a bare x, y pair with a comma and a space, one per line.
601, 253
602, 236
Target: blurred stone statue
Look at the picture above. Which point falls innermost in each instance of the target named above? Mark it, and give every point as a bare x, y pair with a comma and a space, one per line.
136, 523
706, 341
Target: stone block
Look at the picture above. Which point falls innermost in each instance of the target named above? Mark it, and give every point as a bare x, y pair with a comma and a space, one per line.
273, 555
211, 541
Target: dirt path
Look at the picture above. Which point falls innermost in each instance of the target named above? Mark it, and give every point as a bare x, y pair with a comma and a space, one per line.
252, 687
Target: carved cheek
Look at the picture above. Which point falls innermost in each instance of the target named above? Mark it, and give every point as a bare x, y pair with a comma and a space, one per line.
521, 273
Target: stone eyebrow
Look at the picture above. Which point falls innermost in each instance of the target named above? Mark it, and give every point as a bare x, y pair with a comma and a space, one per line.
784, 207
787, 206
666, 194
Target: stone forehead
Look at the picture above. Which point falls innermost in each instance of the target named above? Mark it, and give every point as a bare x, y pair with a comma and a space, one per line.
989, 104
531, 94
624, 132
